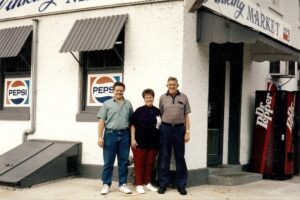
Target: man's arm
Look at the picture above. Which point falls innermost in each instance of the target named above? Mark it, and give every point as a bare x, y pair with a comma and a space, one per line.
187, 135
100, 133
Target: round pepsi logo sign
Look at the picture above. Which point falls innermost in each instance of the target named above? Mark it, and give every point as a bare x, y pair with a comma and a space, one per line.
17, 92
101, 88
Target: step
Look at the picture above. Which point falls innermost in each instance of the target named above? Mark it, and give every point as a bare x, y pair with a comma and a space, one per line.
234, 178
223, 169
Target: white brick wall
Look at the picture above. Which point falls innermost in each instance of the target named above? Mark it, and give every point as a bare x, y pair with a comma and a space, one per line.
254, 78
195, 85
288, 11
160, 41
153, 51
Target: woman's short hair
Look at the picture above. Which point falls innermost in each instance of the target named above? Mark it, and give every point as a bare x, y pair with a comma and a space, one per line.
148, 91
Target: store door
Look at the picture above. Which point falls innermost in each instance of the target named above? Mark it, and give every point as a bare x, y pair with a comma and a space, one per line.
224, 102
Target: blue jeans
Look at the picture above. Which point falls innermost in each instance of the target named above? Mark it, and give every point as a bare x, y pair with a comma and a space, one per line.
116, 143
172, 137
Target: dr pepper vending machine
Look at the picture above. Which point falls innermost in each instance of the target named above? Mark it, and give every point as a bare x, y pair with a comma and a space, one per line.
273, 152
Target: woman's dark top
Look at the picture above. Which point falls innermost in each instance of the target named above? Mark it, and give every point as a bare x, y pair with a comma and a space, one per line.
144, 121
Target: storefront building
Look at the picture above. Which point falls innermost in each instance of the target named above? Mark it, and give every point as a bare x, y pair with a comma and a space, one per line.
60, 58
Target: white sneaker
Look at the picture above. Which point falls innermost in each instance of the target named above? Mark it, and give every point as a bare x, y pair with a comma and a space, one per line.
105, 189
151, 188
140, 189
123, 188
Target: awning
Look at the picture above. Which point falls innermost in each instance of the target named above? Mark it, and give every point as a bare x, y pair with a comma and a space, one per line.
94, 34
12, 40
214, 28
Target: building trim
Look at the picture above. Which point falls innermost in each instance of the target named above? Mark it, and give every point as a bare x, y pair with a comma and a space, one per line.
196, 176
117, 5
15, 114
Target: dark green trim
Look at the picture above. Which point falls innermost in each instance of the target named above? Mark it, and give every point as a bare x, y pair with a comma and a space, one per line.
86, 117
236, 81
15, 114
195, 177
246, 167
89, 115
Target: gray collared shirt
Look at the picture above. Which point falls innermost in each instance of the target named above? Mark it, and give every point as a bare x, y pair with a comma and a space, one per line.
174, 109
115, 115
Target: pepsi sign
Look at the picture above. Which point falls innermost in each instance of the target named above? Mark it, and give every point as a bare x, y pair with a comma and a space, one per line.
100, 87
16, 92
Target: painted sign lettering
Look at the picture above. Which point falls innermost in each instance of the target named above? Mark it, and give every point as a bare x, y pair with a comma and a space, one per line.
290, 118
100, 87
253, 15
8, 6
264, 112
16, 92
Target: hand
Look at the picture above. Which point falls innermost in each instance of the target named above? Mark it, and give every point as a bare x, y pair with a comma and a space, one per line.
133, 144
100, 142
187, 137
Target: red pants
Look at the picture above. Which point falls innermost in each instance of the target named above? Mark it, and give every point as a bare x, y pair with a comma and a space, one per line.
143, 164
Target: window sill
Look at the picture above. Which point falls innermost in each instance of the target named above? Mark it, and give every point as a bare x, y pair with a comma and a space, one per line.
89, 115
15, 114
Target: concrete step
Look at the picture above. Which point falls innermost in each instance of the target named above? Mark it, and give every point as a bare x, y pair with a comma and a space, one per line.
233, 178
223, 169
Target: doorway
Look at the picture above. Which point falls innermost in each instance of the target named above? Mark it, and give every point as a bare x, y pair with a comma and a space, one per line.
224, 103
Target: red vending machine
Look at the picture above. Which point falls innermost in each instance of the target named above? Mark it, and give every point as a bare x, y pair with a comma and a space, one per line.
296, 137
273, 151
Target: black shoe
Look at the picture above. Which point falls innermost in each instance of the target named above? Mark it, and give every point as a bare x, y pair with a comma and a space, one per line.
182, 191
161, 190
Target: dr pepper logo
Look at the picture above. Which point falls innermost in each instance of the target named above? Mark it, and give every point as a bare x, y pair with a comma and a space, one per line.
17, 92
264, 112
101, 88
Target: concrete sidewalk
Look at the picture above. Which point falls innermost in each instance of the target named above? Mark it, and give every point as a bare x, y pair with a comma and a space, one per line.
89, 189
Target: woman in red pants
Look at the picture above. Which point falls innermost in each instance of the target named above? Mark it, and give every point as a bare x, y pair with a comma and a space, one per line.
145, 123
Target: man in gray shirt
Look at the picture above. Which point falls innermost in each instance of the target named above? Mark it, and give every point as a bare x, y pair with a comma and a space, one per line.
174, 133
114, 120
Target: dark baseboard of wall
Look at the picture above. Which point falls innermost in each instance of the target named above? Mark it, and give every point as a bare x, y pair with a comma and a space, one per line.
195, 176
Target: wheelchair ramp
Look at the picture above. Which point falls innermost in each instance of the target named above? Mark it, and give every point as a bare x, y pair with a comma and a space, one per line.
39, 161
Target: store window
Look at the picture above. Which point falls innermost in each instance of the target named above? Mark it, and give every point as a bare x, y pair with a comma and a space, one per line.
99, 70
15, 73
100, 46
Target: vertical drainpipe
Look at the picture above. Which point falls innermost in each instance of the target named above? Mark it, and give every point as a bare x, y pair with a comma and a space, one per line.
33, 83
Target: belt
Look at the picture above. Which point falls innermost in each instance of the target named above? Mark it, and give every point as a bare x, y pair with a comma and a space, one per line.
124, 129
173, 125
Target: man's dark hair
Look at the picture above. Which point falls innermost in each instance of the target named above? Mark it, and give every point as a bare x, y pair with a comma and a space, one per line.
118, 84
148, 92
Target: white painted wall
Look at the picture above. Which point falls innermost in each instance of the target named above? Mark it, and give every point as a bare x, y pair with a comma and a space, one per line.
160, 42
226, 113
195, 85
153, 51
254, 77
288, 11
